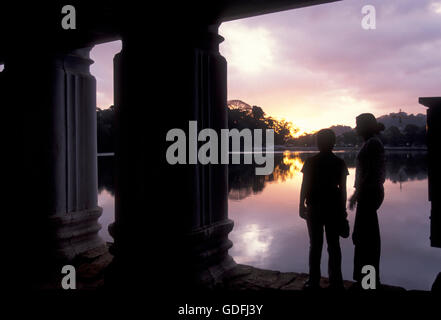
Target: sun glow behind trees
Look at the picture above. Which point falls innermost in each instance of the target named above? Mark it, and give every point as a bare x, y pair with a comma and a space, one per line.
317, 67
254, 56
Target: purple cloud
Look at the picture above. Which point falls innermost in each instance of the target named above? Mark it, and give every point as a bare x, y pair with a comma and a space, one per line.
321, 56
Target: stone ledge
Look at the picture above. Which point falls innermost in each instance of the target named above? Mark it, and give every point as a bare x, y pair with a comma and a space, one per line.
244, 277
91, 267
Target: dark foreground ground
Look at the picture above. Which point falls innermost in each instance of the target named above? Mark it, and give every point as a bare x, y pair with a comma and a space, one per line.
91, 266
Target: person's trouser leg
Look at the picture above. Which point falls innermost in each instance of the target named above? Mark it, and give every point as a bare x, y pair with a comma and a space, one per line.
370, 246
315, 230
366, 235
334, 252
367, 252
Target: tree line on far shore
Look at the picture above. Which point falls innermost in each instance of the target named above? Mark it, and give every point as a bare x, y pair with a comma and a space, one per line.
409, 136
402, 130
239, 118
106, 129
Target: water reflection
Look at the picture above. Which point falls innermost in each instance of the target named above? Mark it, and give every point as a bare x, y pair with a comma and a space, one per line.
400, 167
106, 193
268, 232
256, 242
270, 206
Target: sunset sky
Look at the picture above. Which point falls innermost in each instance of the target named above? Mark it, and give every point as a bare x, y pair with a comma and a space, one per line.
317, 66
102, 69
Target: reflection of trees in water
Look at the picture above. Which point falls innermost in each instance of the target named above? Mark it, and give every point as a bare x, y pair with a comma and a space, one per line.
406, 166
243, 182
106, 174
400, 167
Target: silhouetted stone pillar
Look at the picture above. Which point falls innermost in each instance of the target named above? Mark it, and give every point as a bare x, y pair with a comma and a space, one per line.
53, 96
176, 216
434, 147
75, 162
207, 224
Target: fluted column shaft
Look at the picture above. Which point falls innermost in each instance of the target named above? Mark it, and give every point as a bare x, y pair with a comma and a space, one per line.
51, 96
176, 215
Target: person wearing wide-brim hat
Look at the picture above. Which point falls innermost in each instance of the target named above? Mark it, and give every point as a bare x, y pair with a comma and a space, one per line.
368, 196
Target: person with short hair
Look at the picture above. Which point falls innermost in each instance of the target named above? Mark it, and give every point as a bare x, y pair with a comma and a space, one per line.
323, 205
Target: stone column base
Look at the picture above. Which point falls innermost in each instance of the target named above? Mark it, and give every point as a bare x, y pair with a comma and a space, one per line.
76, 232
208, 253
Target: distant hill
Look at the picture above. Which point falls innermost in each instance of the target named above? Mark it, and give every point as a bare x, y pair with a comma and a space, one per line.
401, 119
398, 119
340, 129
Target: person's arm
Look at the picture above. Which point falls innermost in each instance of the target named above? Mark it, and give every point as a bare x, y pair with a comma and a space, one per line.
353, 200
302, 207
303, 191
343, 192
373, 163
373, 168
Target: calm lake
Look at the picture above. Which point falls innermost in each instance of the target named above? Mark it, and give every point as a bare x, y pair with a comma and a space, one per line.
269, 234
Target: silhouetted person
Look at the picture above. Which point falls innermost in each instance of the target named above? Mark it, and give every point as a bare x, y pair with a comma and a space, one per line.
368, 195
324, 193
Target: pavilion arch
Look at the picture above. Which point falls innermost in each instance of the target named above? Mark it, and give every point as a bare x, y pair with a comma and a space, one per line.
168, 72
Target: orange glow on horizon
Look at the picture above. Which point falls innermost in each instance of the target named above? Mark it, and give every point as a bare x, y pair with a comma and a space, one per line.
302, 132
